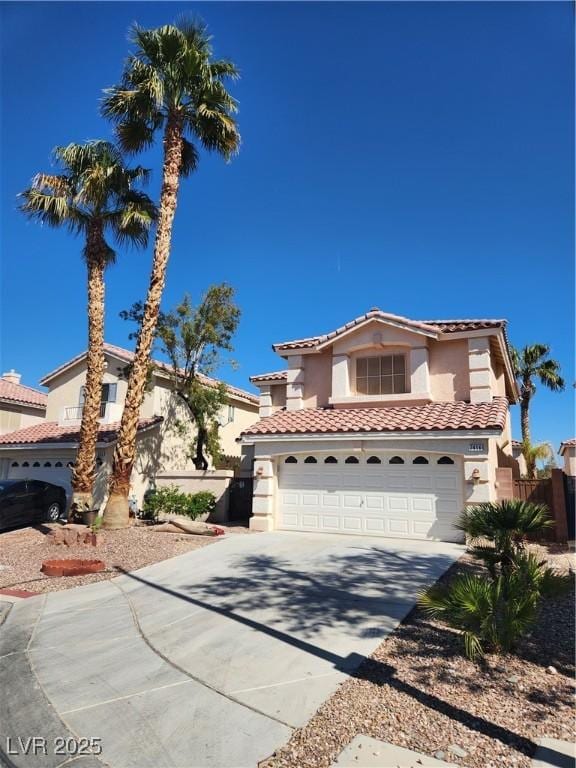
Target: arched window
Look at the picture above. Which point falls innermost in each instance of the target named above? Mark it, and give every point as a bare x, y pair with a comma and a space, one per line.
373, 460
291, 460
396, 460
47, 464
310, 460
420, 460
36, 464
445, 460
14, 464
58, 464
351, 460
330, 460
70, 464
25, 464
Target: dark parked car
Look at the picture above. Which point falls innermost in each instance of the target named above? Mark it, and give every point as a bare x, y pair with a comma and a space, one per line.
25, 502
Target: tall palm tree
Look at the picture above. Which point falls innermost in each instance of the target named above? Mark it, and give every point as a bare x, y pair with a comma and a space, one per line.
532, 362
93, 195
170, 84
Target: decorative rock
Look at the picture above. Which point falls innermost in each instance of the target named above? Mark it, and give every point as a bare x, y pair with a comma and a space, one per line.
514, 679
73, 535
551, 670
439, 755
458, 751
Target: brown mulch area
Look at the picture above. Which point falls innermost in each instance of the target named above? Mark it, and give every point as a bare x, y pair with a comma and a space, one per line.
23, 551
418, 691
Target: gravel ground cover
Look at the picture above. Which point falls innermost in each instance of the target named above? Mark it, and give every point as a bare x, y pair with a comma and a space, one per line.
419, 692
23, 551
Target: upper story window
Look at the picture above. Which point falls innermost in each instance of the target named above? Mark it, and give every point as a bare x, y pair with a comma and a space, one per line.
384, 375
108, 393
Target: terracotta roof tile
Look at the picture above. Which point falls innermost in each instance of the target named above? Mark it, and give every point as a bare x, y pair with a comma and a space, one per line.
430, 326
567, 444
127, 355
52, 432
19, 393
414, 418
274, 376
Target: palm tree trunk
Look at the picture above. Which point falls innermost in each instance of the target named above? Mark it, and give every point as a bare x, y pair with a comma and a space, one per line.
84, 471
525, 418
116, 513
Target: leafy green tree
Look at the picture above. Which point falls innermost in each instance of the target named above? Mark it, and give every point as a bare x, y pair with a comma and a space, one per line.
530, 363
194, 338
171, 86
94, 195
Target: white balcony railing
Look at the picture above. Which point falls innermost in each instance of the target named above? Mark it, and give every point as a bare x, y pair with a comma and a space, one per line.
72, 414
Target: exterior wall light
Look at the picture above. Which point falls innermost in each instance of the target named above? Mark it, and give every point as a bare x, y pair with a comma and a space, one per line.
475, 477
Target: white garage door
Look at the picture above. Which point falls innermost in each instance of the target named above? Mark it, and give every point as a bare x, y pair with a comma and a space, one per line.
52, 471
417, 496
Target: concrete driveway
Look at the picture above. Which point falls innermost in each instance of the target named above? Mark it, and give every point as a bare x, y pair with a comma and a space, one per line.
208, 659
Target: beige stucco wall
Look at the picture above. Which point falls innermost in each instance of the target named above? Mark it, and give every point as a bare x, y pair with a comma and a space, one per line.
569, 456
317, 379
449, 374
64, 389
13, 417
245, 414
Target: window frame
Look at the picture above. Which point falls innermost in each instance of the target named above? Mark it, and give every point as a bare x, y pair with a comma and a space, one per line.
381, 377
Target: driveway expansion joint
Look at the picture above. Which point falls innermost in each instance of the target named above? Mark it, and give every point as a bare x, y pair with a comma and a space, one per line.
186, 672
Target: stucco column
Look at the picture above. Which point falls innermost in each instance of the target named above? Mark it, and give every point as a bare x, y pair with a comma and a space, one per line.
419, 373
265, 402
340, 376
295, 383
480, 370
479, 475
263, 495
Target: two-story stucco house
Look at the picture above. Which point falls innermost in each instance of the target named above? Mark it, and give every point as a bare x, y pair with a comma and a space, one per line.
46, 450
386, 426
20, 406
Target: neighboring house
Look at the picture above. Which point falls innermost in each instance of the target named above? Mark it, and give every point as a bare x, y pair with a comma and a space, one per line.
519, 456
386, 426
47, 450
20, 406
568, 453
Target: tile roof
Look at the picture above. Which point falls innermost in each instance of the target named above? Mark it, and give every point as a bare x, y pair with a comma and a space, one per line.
18, 393
127, 355
414, 418
52, 432
571, 443
427, 326
274, 376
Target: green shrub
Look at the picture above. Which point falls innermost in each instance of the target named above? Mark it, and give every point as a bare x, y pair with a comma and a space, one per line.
171, 500
493, 611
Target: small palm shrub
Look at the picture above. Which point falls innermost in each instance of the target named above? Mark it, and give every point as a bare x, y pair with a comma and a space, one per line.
497, 532
171, 500
494, 611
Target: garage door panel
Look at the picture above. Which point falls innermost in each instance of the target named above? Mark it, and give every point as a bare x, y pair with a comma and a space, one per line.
398, 504
413, 501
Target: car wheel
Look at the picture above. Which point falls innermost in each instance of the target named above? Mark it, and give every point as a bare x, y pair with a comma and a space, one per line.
53, 512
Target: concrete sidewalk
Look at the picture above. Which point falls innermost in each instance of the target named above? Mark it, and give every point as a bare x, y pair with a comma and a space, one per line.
209, 659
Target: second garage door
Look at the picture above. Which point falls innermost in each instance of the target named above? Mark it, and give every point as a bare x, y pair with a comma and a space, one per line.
417, 496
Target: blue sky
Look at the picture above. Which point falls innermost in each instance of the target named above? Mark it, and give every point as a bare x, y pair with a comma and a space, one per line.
412, 156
